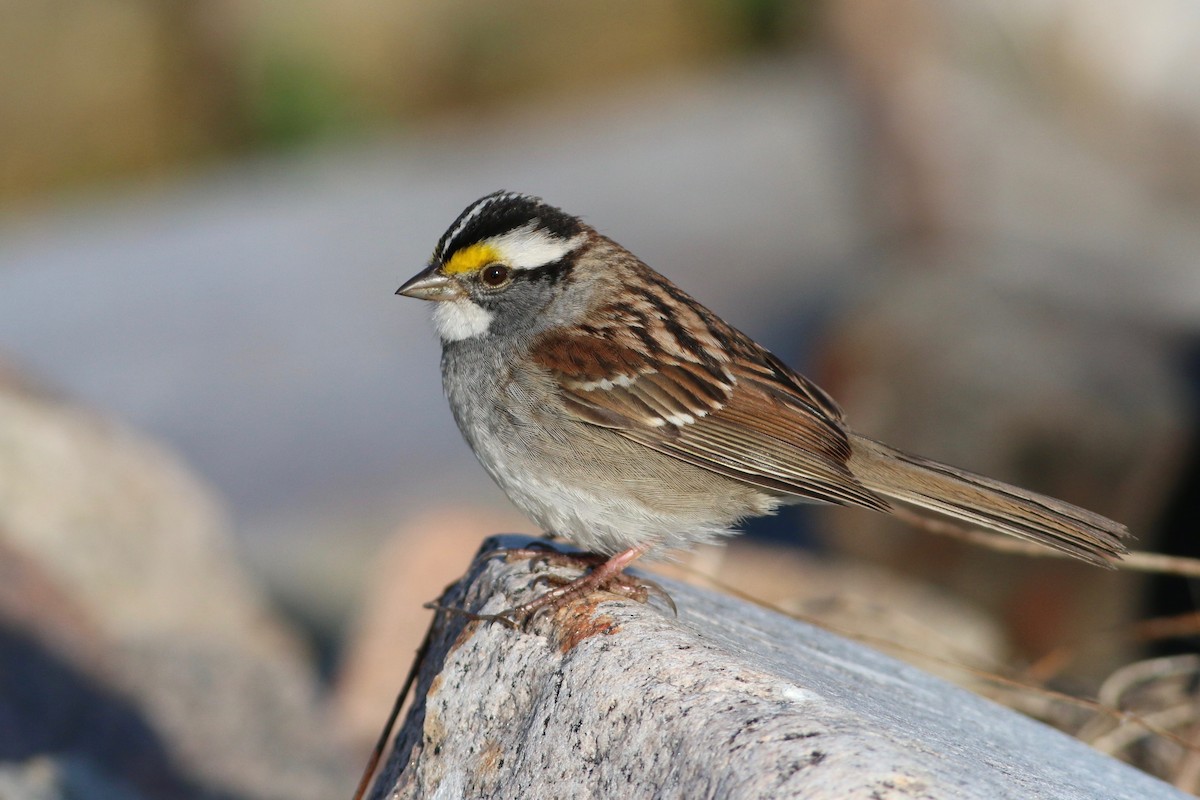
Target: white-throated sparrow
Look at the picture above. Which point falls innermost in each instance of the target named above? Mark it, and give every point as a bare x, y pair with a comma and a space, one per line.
621, 414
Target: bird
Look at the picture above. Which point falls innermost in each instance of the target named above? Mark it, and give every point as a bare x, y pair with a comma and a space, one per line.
620, 414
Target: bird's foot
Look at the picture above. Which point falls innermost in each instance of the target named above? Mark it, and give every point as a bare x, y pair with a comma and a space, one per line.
606, 574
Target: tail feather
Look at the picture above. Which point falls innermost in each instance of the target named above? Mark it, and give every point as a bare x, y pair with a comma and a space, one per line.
985, 502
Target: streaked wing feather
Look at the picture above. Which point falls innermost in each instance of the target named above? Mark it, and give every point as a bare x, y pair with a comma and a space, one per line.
793, 385
751, 419
794, 459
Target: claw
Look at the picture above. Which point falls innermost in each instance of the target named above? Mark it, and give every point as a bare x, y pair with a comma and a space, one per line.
642, 590
471, 615
548, 579
661, 594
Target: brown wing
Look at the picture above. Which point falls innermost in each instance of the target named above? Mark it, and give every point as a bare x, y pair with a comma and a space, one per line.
736, 410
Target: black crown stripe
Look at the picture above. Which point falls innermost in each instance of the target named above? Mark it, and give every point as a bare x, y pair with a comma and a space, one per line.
499, 213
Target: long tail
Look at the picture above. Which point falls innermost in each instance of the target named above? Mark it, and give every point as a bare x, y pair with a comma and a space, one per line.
986, 503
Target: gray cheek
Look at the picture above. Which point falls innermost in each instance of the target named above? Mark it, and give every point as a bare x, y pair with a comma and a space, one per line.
519, 311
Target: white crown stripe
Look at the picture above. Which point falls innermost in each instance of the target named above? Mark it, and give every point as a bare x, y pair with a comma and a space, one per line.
453, 233
529, 248
473, 212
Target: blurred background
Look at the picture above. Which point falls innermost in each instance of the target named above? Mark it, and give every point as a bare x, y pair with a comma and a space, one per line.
228, 479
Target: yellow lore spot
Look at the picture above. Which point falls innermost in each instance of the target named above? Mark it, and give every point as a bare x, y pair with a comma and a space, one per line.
471, 259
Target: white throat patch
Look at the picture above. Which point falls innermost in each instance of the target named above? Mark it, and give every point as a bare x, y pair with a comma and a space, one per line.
456, 320
529, 248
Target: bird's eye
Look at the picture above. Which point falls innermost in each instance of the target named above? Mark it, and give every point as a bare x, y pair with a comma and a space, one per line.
494, 275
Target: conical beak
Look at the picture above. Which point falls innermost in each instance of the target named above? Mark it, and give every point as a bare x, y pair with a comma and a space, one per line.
431, 285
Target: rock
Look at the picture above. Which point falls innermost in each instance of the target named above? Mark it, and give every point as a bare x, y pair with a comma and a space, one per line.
612, 698
910, 620
426, 553
928, 627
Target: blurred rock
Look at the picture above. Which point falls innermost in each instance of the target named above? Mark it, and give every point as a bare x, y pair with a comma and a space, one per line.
60, 693
31, 601
60, 779
1027, 390
130, 636
124, 528
49, 705
247, 726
